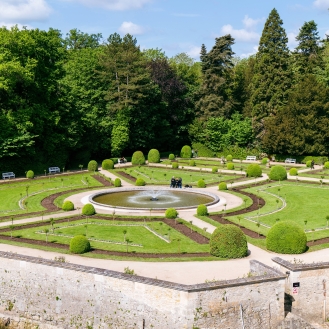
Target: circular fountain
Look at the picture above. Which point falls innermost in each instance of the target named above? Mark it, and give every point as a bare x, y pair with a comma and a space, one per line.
157, 198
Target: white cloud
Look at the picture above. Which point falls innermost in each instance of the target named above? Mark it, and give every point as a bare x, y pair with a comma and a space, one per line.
253, 52
240, 35
131, 28
20, 11
114, 4
186, 15
248, 22
292, 43
194, 52
321, 4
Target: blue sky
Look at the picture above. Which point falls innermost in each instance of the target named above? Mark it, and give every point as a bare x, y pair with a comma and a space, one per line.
174, 26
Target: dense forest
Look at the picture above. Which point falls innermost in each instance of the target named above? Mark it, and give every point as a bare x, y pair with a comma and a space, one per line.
66, 100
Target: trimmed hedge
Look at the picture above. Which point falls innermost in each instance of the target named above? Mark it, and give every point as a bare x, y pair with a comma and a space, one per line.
79, 244
309, 163
140, 182
229, 157
117, 182
254, 170
214, 170
92, 165
286, 238
174, 165
203, 151
30, 174
138, 158
171, 213
230, 166
88, 210
222, 186
191, 163
171, 156
228, 241
202, 210
153, 156
107, 164
278, 173
186, 152
68, 206
293, 172
201, 183
264, 161
326, 165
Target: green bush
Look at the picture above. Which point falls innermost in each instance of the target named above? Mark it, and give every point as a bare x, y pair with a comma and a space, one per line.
286, 238
191, 163
264, 161
117, 182
254, 170
308, 163
229, 157
68, 206
278, 173
230, 166
88, 210
214, 170
174, 165
201, 183
228, 241
30, 174
153, 156
79, 244
186, 152
138, 158
202, 210
293, 172
222, 186
107, 164
140, 182
203, 151
171, 213
171, 156
326, 165
92, 165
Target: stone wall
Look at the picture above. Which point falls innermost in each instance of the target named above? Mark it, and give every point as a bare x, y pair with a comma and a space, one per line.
65, 295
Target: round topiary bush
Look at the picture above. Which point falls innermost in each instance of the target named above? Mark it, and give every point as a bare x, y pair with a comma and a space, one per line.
79, 244
230, 166
174, 165
153, 156
92, 165
214, 170
191, 163
202, 210
140, 182
171, 156
68, 206
254, 170
107, 164
88, 210
286, 238
264, 161
293, 172
201, 183
171, 213
278, 173
326, 165
222, 186
229, 158
30, 174
186, 152
228, 241
138, 158
117, 182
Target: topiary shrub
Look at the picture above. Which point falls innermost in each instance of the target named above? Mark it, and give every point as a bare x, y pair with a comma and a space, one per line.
186, 152
174, 165
191, 163
171, 156
308, 163
230, 166
222, 186
92, 165
79, 244
171, 213
229, 157
214, 170
88, 210
68, 206
117, 182
278, 173
264, 161
138, 158
228, 241
107, 164
140, 182
153, 156
286, 238
293, 172
326, 165
202, 210
30, 174
254, 170
201, 183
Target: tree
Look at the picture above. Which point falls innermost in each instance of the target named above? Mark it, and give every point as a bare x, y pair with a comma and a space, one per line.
76, 39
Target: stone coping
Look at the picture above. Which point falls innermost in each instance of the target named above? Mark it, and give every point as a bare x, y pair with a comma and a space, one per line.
300, 267
270, 275
150, 188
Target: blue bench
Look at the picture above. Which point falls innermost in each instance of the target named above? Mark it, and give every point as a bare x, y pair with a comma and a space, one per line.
8, 175
54, 170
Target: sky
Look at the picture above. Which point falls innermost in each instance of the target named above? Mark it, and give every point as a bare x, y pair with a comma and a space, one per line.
175, 26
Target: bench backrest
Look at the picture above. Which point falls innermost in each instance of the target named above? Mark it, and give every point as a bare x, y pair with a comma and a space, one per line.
8, 174
251, 157
290, 160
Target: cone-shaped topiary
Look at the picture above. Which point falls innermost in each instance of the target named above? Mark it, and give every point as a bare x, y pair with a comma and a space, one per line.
68, 206
186, 152
79, 244
92, 165
117, 182
228, 241
202, 210
230, 166
174, 165
88, 210
171, 213
254, 170
140, 182
138, 158
191, 163
278, 173
214, 170
171, 156
286, 238
201, 183
30, 174
229, 157
293, 172
222, 186
153, 156
107, 164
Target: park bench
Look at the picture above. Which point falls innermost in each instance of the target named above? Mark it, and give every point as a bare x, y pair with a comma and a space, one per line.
54, 170
288, 160
8, 175
251, 158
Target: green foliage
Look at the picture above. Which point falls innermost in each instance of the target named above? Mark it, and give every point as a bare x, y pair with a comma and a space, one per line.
174, 165
293, 172
214, 170
308, 163
153, 156
79, 244
191, 163
117, 182
30, 174
286, 238
140, 182
92, 165
201, 183
171, 213
229, 158
202, 210
203, 151
88, 210
186, 152
68, 206
228, 241
171, 156
222, 186
278, 173
254, 170
264, 161
230, 166
138, 158
326, 165
107, 164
